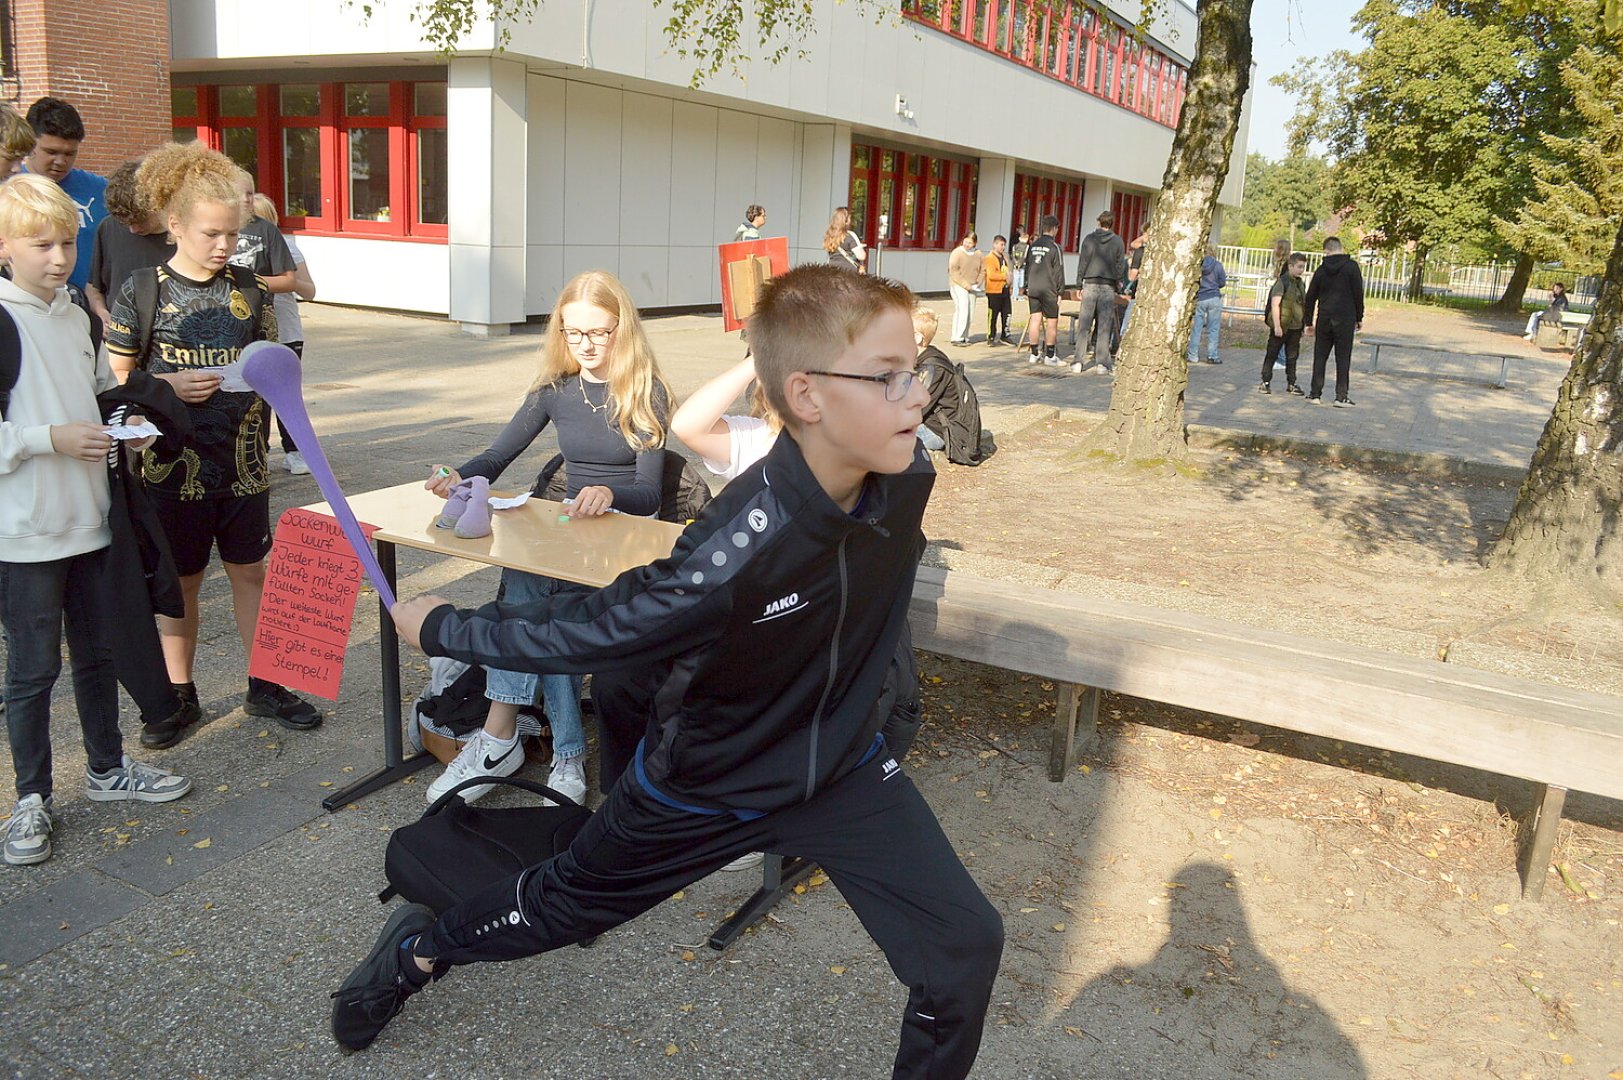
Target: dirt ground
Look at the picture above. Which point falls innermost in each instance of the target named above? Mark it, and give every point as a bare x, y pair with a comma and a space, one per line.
1251, 875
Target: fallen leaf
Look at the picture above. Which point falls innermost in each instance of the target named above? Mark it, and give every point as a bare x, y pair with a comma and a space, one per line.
838, 969
671, 1049
203, 843
1059, 928
687, 955
1501, 909
223, 787
65, 926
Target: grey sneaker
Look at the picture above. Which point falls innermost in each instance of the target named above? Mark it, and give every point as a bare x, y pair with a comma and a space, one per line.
135, 780
28, 834
568, 777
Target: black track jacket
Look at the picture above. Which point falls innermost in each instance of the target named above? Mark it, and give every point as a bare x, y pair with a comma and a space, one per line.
778, 614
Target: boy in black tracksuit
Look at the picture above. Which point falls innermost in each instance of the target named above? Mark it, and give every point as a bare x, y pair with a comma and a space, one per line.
779, 611
1045, 281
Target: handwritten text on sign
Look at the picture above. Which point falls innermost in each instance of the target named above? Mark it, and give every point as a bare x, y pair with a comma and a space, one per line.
306, 607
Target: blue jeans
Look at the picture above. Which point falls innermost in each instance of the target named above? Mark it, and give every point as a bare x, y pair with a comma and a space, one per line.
36, 600
930, 439
1210, 314
559, 693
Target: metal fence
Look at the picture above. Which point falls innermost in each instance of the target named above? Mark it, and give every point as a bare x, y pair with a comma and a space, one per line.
1386, 277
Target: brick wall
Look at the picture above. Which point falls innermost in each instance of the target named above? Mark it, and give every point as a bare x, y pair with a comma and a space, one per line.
109, 58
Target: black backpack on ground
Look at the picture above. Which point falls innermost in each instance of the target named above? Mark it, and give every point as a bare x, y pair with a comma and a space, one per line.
455, 851
953, 412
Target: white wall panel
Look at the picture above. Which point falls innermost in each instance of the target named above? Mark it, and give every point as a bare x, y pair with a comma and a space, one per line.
592, 164
381, 273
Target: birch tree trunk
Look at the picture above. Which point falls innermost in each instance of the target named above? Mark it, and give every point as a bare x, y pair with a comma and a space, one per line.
1146, 418
1565, 524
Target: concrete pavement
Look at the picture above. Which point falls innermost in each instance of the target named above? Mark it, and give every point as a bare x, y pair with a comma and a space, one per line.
200, 938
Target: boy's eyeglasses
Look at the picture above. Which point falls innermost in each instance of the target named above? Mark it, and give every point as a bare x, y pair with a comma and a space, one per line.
896, 383
599, 336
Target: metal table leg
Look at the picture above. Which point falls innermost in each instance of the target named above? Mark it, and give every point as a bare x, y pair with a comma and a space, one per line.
394, 768
779, 876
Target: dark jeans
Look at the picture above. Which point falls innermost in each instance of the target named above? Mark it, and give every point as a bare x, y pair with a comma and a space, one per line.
997, 307
36, 600
1096, 322
1292, 344
1339, 336
873, 834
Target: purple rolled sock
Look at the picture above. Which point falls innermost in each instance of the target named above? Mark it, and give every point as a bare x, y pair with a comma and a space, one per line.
475, 519
455, 505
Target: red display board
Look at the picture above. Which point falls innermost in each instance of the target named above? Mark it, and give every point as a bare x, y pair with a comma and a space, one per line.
745, 266
308, 604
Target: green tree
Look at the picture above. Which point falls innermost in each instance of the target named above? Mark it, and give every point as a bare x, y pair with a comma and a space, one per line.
1578, 182
1422, 152
1281, 198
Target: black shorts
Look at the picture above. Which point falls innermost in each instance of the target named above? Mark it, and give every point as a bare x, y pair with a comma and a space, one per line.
1044, 304
240, 525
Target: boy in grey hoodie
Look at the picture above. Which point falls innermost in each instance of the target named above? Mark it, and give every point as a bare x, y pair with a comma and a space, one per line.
54, 498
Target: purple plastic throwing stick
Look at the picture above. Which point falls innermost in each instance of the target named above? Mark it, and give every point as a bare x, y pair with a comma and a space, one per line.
274, 371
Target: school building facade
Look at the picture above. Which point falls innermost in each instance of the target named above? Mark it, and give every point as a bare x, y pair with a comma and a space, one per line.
476, 186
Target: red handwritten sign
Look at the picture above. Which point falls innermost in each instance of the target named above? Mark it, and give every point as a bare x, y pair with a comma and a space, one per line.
307, 605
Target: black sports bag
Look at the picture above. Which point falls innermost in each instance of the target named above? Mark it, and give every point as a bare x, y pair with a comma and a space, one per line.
454, 851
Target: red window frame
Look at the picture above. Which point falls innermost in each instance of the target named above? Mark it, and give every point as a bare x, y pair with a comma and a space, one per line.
1053, 38
402, 124
931, 181
1035, 196
1131, 212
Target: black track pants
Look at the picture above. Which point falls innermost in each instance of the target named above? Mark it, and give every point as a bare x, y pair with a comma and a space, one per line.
871, 832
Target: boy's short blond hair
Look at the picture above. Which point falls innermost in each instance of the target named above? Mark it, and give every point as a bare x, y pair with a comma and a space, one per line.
16, 134
925, 324
807, 317
31, 205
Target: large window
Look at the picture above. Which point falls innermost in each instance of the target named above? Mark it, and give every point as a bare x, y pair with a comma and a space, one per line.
361, 157
1035, 196
1132, 214
929, 201
1066, 42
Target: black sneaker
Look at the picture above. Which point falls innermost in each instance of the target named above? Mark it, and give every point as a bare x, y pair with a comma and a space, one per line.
1292, 388
1314, 399
1265, 388
162, 734
280, 704
1345, 403
377, 989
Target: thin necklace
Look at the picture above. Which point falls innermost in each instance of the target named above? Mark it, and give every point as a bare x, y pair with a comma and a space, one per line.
589, 405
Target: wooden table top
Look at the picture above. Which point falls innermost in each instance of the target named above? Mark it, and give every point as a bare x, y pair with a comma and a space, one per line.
593, 551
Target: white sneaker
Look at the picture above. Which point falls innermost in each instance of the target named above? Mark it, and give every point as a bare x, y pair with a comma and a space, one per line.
1076, 367
747, 861
481, 756
28, 834
293, 462
135, 780
568, 777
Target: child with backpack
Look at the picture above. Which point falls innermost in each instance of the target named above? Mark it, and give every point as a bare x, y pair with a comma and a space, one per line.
54, 536
183, 322
952, 416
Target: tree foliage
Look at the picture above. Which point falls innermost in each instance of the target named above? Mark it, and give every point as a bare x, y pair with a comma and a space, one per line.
1578, 181
1280, 197
1423, 153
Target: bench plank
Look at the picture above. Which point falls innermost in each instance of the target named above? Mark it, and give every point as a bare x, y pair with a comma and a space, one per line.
1547, 734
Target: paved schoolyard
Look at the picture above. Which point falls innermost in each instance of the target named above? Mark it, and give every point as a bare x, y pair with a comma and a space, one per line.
200, 938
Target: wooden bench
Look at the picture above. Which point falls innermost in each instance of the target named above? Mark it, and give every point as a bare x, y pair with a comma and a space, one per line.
1559, 739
